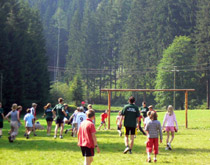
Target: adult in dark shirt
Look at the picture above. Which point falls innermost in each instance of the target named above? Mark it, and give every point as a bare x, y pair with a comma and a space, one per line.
131, 115
60, 113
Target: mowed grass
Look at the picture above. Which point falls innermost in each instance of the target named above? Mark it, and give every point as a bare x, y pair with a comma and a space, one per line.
190, 146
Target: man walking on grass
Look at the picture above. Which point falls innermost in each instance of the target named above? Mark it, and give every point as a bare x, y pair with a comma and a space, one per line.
131, 116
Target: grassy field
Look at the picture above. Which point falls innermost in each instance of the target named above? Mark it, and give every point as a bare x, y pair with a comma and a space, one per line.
190, 146
100, 107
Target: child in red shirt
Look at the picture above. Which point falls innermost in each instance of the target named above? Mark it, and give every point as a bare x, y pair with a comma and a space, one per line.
103, 120
86, 137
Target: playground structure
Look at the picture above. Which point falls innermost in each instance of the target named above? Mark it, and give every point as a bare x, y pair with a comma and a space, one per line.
148, 90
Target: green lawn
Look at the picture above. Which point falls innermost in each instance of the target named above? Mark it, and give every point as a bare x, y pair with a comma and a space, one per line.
101, 107
190, 146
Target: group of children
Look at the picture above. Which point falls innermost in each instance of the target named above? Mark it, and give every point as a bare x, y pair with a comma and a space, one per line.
83, 125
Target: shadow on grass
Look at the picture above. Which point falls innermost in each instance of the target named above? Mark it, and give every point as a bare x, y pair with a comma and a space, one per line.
40, 145
185, 151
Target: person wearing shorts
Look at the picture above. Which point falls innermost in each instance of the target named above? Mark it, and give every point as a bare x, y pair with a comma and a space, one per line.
131, 115
103, 120
33, 112
13, 122
1, 119
49, 117
87, 138
60, 113
168, 123
29, 122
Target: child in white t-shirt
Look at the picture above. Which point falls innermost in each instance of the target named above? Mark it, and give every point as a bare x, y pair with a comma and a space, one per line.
81, 116
29, 122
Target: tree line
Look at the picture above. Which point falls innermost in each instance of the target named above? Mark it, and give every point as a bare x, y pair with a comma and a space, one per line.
23, 60
127, 44
130, 44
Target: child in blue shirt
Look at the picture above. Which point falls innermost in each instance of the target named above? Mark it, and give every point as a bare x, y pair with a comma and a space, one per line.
29, 121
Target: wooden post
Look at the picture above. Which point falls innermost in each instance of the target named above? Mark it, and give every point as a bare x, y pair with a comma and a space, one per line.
109, 108
186, 109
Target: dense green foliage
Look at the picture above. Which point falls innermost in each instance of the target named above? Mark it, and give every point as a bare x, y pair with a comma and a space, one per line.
115, 43
22, 55
180, 52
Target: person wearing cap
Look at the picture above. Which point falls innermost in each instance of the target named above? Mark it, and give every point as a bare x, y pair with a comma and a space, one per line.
33, 112
59, 112
83, 105
81, 116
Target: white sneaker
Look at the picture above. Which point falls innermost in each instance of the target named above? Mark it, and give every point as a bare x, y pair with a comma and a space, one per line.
126, 150
169, 146
55, 137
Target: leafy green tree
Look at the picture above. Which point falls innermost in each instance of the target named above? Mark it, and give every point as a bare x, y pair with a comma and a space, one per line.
180, 53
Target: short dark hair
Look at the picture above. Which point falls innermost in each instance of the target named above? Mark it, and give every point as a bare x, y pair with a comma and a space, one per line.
90, 113
132, 99
153, 115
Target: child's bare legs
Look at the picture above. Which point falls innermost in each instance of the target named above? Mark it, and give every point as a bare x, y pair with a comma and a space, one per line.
28, 131
168, 134
49, 125
0, 132
75, 130
100, 126
172, 137
88, 160
104, 125
34, 129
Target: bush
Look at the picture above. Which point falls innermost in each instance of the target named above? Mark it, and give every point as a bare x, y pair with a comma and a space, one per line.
60, 89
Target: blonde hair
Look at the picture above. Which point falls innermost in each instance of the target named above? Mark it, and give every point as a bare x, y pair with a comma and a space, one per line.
170, 110
89, 106
47, 106
14, 106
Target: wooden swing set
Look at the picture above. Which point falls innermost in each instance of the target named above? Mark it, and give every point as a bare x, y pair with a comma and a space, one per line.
148, 90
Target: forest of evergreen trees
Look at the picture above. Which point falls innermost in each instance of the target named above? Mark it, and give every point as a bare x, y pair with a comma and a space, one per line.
109, 44
23, 61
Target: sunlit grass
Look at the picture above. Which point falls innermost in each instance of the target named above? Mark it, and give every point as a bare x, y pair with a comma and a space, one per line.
190, 146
